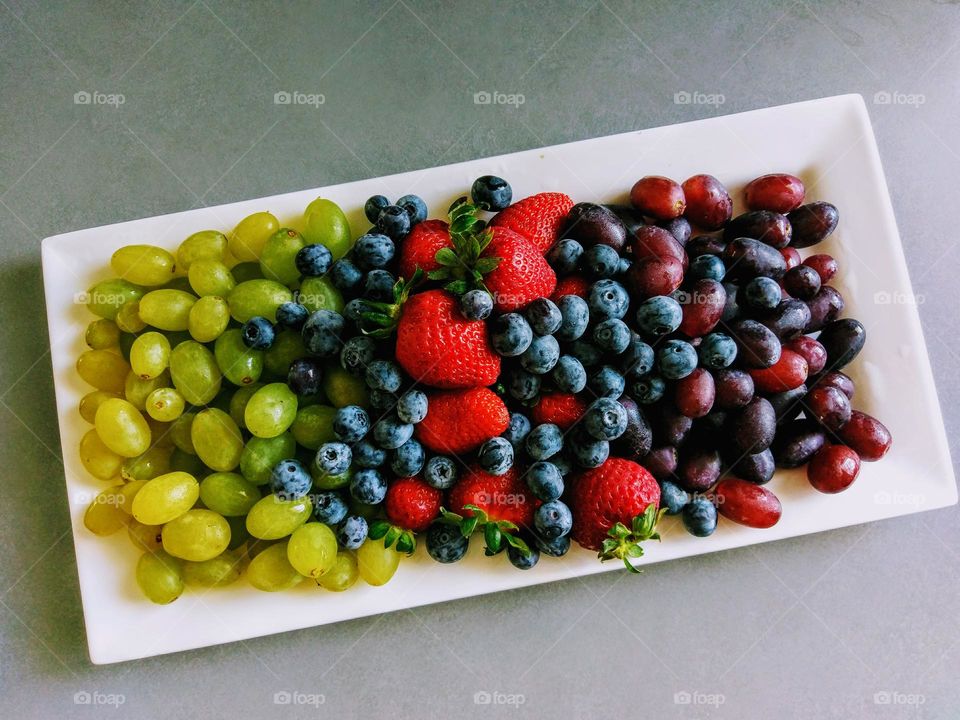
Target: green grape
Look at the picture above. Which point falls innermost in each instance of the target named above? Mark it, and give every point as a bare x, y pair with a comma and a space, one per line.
217, 439
261, 454
181, 432
122, 428
154, 462
257, 297
313, 426
185, 462
222, 570
238, 403
228, 493
322, 481
246, 271
319, 293
194, 372
312, 549
238, 363
128, 492
377, 563
143, 264
271, 571
197, 535
159, 577
342, 575
165, 497
342, 388
103, 369
128, 318
325, 223
287, 347
97, 459
91, 401
203, 245
278, 255
137, 390
165, 404
271, 410
150, 354
102, 335
272, 518
104, 516
208, 318
210, 277
167, 309
159, 432
106, 297
146, 538
249, 236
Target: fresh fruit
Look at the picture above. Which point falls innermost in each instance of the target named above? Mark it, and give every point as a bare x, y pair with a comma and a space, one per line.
708, 203
560, 409
501, 497
420, 248
459, 421
538, 218
777, 192
658, 197
490, 192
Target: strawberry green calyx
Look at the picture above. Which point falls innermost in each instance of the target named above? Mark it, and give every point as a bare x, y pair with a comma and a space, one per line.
497, 534
380, 319
624, 543
405, 540
461, 265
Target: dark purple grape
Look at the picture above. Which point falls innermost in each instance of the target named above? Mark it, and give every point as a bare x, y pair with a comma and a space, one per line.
747, 258
812, 223
825, 306
670, 426
678, 227
757, 345
788, 319
705, 245
829, 407
698, 470
630, 217
843, 340
661, 462
752, 429
591, 224
638, 437
734, 388
788, 404
836, 379
757, 468
797, 442
802, 282
771, 228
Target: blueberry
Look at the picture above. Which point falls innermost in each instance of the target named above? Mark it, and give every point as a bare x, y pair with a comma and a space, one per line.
390, 432
346, 276
321, 333
647, 390
490, 192
393, 221
575, 316
373, 251
707, 267
373, 206
440, 472
542, 355
329, 507
368, 455
553, 519
257, 333
605, 419
351, 423
354, 310
523, 560
601, 261
545, 481
412, 406
305, 377
313, 260
495, 456
623, 265
564, 257
569, 374
415, 206
607, 382
544, 441
333, 458
476, 305
717, 351
368, 486
544, 316
659, 315
352, 532
587, 353
676, 359
638, 359
522, 385
289, 479
382, 400
445, 542
557, 547
587, 451
608, 299
384, 375
292, 315
517, 430
378, 286
357, 353
510, 334
761, 293
408, 459
612, 335
673, 498
700, 517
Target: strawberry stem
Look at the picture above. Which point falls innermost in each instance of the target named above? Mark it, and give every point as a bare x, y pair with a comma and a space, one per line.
379, 319
623, 543
461, 265
497, 534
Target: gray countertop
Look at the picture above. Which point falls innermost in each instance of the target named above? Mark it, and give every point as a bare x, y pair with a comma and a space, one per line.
856, 623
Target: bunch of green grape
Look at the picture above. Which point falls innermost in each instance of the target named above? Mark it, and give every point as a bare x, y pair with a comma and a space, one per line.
188, 422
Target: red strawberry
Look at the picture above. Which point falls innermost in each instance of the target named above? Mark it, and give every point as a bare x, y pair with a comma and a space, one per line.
615, 508
538, 218
437, 346
561, 409
411, 504
501, 497
461, 420
522, 275
419, 249
571, 285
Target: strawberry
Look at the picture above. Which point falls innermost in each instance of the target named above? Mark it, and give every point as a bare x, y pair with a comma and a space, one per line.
411, 504
461, 420
420, 247
500, 497
538, 218
571, 285
522, 275
561, 409
615, 509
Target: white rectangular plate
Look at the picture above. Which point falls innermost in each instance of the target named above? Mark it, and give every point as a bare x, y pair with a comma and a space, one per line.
829, 143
